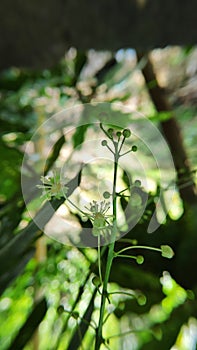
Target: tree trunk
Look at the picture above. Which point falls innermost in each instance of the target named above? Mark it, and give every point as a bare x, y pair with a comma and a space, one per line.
173, 135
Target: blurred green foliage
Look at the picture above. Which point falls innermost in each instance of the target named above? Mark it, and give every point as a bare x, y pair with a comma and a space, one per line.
64, 277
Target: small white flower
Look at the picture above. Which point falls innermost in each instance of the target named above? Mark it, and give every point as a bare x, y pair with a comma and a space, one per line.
53, 186
98, 217
99, 207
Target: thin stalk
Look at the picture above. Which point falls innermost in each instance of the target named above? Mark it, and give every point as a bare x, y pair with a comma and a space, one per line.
126, 256
121, 145
125, 189
127, 240
109, 148
132, 295
87, 323
136, 247
123, 334
99, 336
107, 347
75, 206
92, 269
99, 258
126, 153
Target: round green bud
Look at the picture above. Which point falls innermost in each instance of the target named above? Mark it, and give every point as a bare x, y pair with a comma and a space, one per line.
106, 195
75, 315
141, 299
137, 183
104, 143
118, 134
60, 309
126, 133
166, 251
134, 241
145, 217
96, 281
110, 132
140, 259
134, 148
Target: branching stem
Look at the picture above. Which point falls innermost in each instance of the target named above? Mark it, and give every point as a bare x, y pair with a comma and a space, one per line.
104, 297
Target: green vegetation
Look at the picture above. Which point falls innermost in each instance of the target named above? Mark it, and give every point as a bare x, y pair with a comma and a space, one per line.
137, 290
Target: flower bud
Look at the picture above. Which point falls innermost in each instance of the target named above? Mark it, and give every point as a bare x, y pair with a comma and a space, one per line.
60, 309
118, 134
141, 299
106, 195
166, 251
96, 281
134, 148
140, 259
126, 133
104, 143
137, 183
110, 132
75, 315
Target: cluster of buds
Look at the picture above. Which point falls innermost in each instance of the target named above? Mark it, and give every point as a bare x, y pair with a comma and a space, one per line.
117, 138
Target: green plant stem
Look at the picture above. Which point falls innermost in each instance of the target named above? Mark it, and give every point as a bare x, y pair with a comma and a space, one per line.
125, 256
99, 336
122, 145
136, 247
123, 334
123, 293
75, 206
99, 258
125, 153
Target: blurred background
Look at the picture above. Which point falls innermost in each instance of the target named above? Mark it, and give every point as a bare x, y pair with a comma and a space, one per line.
56, 55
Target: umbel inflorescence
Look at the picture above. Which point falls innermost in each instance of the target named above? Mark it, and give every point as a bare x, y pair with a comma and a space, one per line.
103, 223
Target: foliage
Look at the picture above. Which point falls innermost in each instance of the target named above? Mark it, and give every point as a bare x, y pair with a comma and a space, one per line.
144, 311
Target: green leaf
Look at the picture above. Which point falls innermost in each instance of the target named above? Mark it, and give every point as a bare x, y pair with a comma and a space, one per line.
28, 329
11, 160
160, 116
54, 154
18, 268
82, 328
79, 135
80, 61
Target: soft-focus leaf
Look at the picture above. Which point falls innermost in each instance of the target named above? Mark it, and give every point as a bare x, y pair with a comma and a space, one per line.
83, 326
79, 135
54, 154
31, 324
13, 251
11, 160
